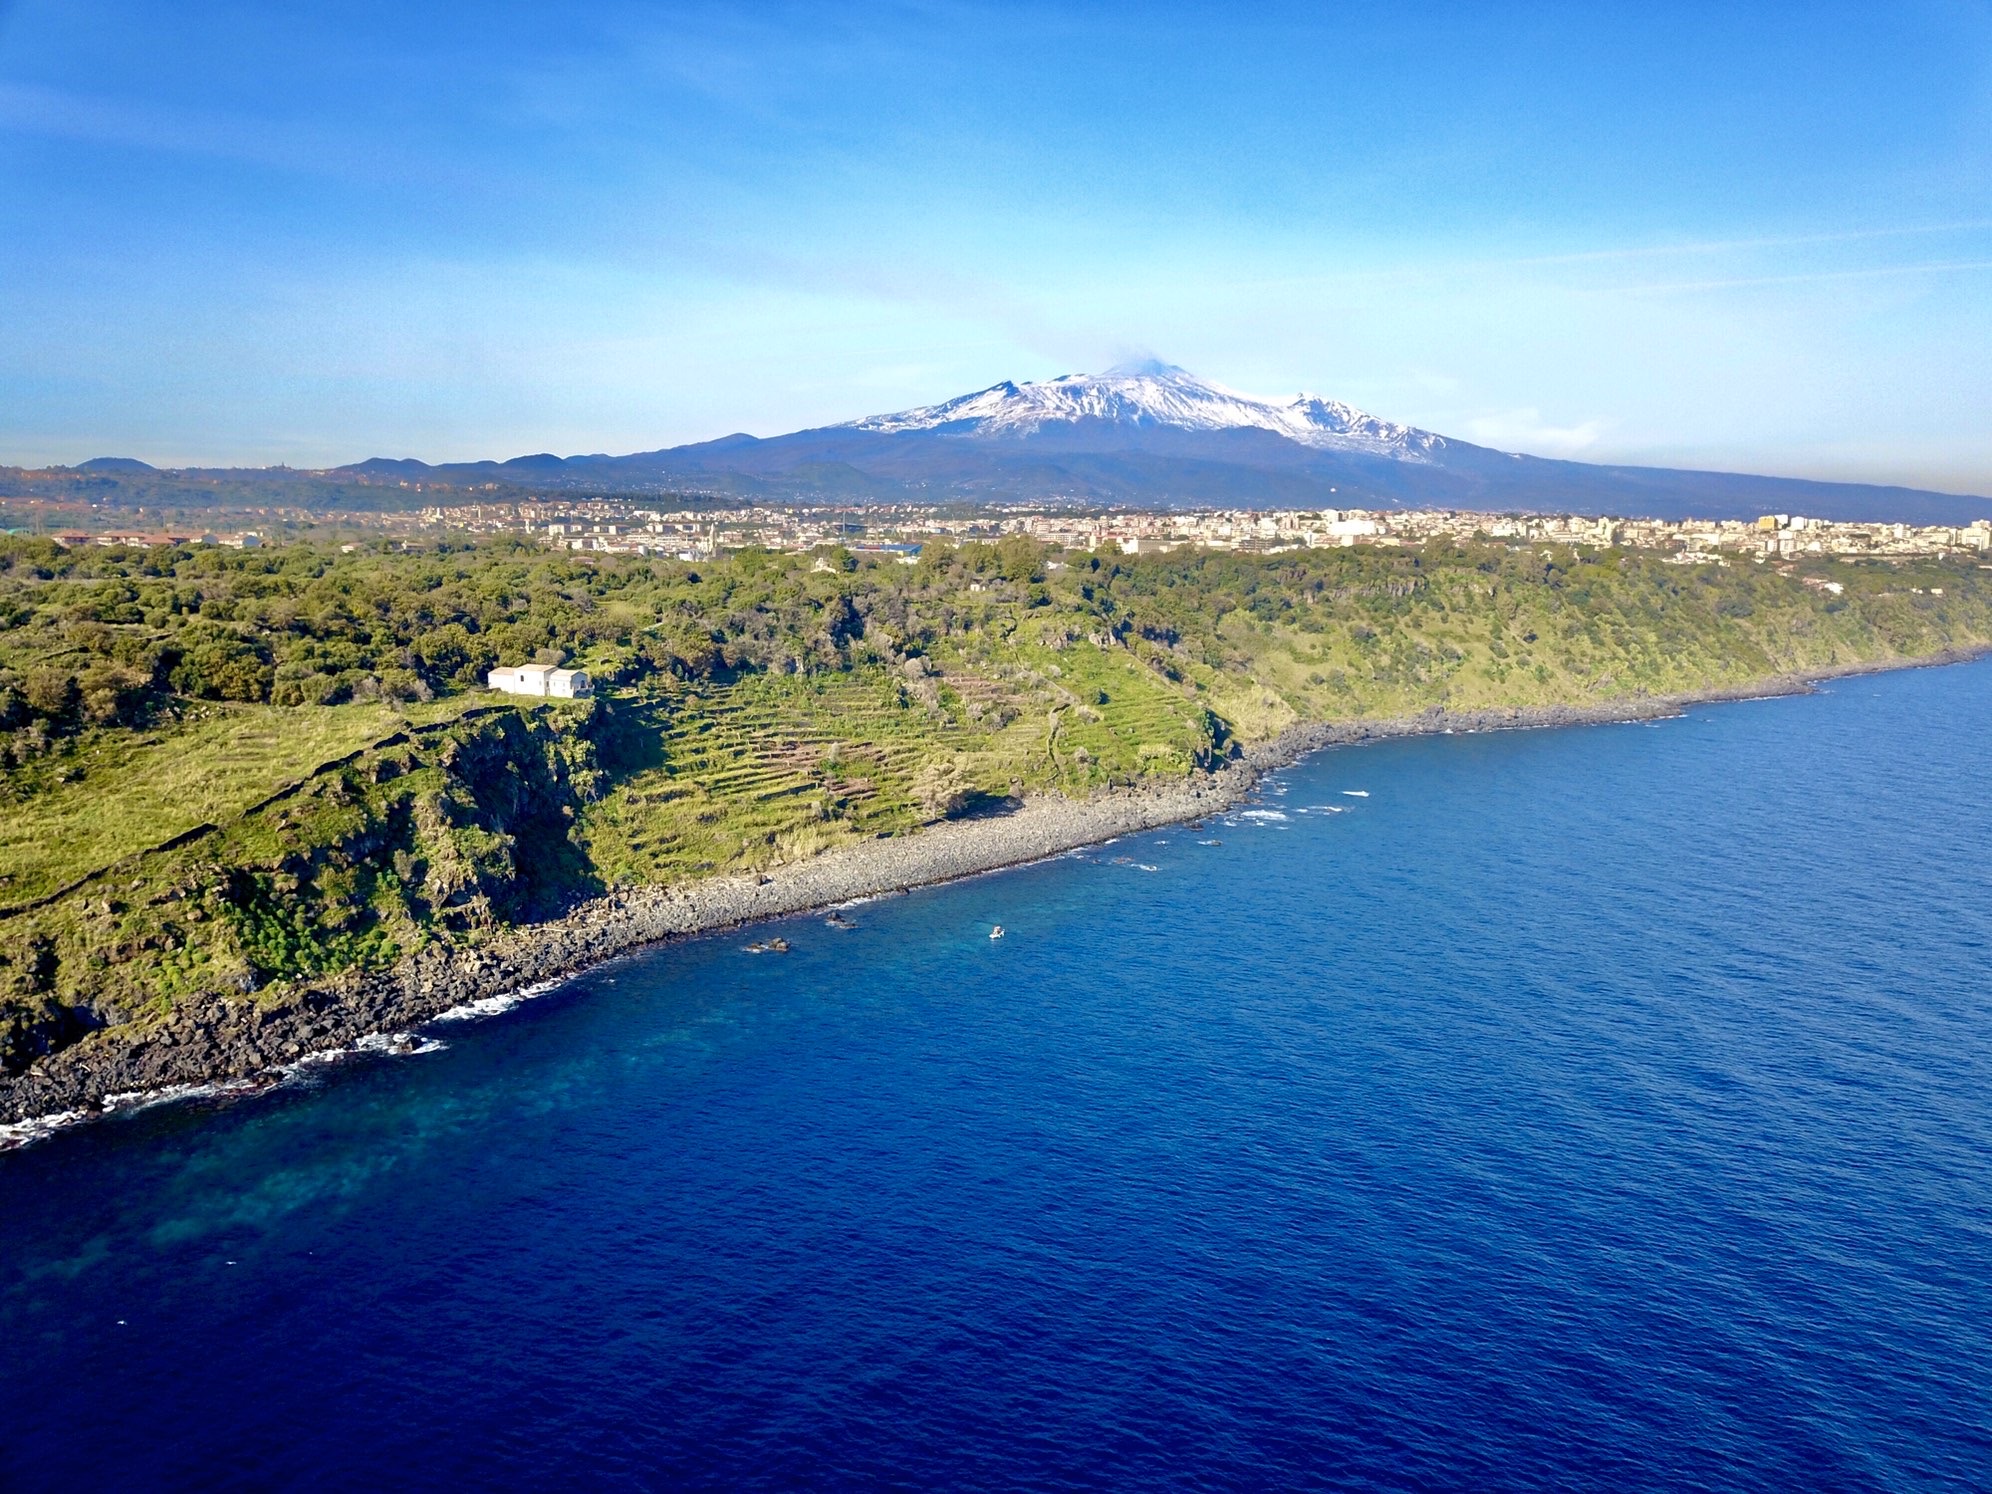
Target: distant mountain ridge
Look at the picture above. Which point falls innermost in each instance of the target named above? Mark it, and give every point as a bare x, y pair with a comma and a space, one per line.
1145, 435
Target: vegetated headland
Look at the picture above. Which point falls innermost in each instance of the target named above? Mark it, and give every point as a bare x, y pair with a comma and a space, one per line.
256, 804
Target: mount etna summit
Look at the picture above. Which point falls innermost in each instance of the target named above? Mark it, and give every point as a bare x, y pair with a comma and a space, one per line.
1154, 434
1151, 397
1150, 435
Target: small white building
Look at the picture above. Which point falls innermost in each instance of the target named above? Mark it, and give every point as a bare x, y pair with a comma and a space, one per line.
541, 679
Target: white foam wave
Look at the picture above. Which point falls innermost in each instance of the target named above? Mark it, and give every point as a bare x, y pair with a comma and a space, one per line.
870, 897
491, 1006
22, 1133
145, 1099
1264, 816
400, 1043
127, 1102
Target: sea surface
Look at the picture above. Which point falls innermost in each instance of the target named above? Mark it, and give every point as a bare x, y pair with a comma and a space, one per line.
1606, 1108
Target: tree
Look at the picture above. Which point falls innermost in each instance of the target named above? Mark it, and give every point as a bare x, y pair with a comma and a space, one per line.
51, 693
453, 652
222, 667
941, 788
114, 696
1021, 558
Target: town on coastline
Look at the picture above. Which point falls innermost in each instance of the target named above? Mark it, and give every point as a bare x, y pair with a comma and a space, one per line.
637, 527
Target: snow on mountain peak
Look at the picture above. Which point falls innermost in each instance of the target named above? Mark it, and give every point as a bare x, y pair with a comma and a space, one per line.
1147, 367
1154, 394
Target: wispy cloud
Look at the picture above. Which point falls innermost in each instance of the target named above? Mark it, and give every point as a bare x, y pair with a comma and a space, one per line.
313, 150
1745, 245
28, 109
1526, 430
1744, 252
1807, 277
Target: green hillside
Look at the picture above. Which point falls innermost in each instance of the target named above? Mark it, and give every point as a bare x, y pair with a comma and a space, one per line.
227, 771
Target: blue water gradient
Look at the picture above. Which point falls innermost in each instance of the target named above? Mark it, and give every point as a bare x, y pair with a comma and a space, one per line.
1605, 1108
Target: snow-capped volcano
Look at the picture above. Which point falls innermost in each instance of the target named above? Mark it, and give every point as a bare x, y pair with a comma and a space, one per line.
1157, 396
1150, 435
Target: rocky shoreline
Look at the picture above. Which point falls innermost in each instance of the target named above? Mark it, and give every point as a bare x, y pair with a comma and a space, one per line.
238, 1038
250, 1040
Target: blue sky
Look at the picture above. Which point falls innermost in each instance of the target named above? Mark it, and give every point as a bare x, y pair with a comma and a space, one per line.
1728, 235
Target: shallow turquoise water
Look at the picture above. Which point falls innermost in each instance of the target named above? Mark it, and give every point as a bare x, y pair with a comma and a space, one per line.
1596, 1108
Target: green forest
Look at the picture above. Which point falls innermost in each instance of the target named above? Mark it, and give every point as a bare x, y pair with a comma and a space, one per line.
226, 771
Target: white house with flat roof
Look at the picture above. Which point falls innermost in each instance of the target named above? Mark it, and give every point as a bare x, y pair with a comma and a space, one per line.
541, 679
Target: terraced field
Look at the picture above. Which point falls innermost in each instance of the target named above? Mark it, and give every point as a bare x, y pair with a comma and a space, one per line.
776, 768
763, 770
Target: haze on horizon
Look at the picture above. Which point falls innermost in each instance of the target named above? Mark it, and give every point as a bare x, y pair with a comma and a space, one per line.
1719, 236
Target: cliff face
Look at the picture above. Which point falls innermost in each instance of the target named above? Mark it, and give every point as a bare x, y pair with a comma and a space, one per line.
365, 862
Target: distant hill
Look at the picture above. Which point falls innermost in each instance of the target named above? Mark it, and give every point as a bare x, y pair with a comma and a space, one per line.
128, 465
1148, 435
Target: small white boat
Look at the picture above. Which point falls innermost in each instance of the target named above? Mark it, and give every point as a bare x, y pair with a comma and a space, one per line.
997, 932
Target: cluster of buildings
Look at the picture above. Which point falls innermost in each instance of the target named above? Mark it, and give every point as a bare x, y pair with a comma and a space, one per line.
631, 526
1772, 535
693, 535
239, 540
1687, 541
699, 534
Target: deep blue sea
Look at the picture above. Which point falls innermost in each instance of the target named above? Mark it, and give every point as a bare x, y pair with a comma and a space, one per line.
1606, 1108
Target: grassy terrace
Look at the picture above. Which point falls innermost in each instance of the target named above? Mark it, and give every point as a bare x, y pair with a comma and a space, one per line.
123, 792
753, 711
775, 768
